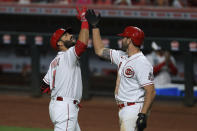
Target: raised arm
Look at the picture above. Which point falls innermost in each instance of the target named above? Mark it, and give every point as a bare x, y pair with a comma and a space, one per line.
84, 32
93, 20
84, 35
99, 46
82, 41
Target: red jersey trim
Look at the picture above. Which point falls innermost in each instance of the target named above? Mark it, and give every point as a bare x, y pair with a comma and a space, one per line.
133, 59
46, 81
67, 119
150, 83
112, 61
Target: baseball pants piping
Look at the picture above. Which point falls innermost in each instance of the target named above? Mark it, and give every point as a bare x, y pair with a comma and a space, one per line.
64, 115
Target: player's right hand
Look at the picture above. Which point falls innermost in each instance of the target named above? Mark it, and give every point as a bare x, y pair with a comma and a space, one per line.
81, 13
92, 18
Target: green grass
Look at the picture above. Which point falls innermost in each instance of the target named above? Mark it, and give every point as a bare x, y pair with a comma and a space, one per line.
7, 128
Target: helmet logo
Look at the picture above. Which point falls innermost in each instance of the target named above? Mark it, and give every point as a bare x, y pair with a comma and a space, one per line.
62, 29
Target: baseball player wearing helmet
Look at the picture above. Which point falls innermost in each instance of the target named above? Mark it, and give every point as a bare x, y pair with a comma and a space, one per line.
63, 78
134, 90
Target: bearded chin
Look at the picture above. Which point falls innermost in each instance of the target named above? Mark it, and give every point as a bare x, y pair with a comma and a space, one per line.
124, 47
69, 44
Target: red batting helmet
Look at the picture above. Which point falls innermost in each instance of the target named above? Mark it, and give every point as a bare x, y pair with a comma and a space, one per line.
135, 33
57, 35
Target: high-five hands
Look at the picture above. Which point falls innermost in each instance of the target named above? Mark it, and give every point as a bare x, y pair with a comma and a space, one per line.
92, 18
81, 14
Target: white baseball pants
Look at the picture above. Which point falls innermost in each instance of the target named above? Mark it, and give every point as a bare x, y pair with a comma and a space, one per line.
64, 115
128, 116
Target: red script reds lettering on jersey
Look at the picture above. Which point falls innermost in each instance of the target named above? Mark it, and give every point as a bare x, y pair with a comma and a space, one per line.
64, 75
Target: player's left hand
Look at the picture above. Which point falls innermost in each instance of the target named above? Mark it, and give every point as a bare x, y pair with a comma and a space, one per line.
141, 121
81, 13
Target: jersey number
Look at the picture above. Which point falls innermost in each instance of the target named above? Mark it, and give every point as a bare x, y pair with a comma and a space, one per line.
53, 83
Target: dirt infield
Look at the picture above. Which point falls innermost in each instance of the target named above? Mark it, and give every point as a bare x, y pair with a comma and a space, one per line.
97, 114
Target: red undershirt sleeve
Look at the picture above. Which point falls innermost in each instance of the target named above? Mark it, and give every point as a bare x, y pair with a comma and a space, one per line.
157, 68
172, 68
80, 47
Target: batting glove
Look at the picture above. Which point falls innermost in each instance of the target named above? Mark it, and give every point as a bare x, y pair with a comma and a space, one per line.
81, 14
141, 121
92, 18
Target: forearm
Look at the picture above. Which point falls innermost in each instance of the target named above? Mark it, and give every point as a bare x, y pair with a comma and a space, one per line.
97, 41
148, 100
84, 35
84, 32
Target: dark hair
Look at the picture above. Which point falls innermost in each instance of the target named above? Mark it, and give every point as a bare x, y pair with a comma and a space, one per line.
68, 29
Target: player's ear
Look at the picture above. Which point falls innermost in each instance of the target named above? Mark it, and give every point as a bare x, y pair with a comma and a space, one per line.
129, 40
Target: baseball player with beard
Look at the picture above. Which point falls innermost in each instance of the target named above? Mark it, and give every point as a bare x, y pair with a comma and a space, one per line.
134, 90
63, 78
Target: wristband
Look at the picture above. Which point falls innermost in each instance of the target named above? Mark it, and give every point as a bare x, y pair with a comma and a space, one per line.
84, 25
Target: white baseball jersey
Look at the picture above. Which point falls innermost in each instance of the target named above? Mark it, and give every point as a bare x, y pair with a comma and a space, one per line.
164, 76
64, 75
135, 72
